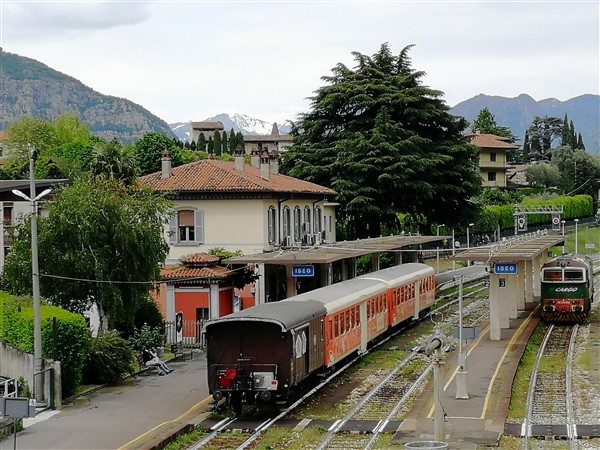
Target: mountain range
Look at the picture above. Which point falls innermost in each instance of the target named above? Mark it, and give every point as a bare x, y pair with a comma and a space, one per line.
32, 89
518, 113
29, 88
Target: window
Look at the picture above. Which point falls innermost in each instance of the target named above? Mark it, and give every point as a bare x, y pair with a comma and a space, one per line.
297, 223
552, 275
306, 225
318, 220
574, 275
287, 222
493, 156
491, 176
272, 224
8, 213
187, 227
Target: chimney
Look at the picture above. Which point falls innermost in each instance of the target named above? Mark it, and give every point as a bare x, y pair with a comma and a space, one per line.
239, 159
166, 164
274, 163
265, 167
275, 130
255, 158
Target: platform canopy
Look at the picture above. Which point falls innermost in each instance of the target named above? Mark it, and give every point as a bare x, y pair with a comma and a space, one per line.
327, 253
524, 247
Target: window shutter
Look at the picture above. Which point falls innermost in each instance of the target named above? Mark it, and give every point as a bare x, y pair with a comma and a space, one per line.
199, 226
173, 229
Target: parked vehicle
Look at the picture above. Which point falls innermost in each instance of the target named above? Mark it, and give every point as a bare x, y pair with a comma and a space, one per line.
265, 353
567, 289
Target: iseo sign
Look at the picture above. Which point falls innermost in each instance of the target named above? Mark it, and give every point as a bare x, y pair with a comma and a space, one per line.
304, 270
506, 268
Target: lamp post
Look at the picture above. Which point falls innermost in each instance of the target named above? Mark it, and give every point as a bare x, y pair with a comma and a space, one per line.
453, 250
576, 240
438, 229
35, 286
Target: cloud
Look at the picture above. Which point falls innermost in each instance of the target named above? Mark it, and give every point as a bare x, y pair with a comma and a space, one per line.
49, 19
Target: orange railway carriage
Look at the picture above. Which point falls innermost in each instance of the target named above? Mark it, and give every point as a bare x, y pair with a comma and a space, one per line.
261, 353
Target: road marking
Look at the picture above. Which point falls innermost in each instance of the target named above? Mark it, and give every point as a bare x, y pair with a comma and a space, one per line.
135, 443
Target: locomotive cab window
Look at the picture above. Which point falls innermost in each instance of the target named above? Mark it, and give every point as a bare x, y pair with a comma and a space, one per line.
552, 275
573, 275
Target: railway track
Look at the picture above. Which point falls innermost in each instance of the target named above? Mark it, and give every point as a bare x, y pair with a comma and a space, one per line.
380, 404
549, 398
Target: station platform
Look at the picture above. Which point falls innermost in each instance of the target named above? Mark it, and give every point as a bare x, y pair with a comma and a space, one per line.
491, 366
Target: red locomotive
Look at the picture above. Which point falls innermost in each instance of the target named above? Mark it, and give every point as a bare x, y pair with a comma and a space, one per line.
265, 352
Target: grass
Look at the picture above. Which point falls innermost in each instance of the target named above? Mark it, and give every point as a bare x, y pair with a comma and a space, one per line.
584, 236
516, 410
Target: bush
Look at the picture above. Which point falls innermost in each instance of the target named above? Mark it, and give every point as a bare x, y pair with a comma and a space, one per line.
109, 359
147, 337
71, 341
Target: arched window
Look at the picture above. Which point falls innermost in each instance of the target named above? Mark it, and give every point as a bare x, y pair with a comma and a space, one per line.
318, 220
306, 222
297, 223
287, 222
272, 224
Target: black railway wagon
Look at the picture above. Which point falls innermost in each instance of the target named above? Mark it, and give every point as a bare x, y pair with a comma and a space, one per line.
567, 288
259, 353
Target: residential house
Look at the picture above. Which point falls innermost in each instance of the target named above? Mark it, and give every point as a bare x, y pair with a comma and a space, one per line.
247, 208
493, 164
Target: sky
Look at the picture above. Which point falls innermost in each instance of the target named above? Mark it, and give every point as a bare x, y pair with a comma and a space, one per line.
190, 60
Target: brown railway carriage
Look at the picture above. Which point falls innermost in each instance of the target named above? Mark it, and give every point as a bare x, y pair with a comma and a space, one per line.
264, 350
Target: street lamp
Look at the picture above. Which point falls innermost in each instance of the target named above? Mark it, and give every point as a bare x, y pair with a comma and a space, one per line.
37, 317
438, 229
576, 240
563, 233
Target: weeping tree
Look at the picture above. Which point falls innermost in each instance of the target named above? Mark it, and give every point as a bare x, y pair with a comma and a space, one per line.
387, 144
102, 242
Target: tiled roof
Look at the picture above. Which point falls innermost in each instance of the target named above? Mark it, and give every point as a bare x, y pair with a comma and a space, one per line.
491, 141
267, 138
207, 125
186, 273
201, 259
214, 176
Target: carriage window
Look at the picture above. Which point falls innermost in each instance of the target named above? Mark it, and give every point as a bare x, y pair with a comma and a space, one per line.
347, 321
357, 315
335, 326
330, 329
573, 275
352, 322
553, 275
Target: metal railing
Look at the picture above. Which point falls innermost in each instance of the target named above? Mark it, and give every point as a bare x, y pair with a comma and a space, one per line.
191, 333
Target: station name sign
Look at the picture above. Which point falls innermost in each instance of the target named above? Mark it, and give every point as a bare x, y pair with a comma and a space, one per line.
506, 268
304, 270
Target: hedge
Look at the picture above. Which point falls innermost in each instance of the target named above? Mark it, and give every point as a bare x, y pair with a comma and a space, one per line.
573, 207
72, 336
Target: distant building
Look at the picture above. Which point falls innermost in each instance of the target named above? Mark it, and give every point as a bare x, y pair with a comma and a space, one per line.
269, 142
492, 158
206, 128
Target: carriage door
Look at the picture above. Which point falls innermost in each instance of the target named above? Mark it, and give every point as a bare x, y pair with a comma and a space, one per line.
301, 353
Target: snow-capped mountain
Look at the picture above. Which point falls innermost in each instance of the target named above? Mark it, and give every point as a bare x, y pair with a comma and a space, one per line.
239, 122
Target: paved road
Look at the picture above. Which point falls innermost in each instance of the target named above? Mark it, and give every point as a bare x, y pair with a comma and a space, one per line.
112, 417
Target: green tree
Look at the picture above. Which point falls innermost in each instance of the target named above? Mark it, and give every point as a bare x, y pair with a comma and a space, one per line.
148, 152
542, 175
114, 160
232, 141
387, 145
239, 140
201, 145
193, 146
542, 133
217, 143
579, 172
210, 146
225, 143
102, 242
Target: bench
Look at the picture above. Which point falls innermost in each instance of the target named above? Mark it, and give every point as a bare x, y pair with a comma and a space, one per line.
142, 365
178, 349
